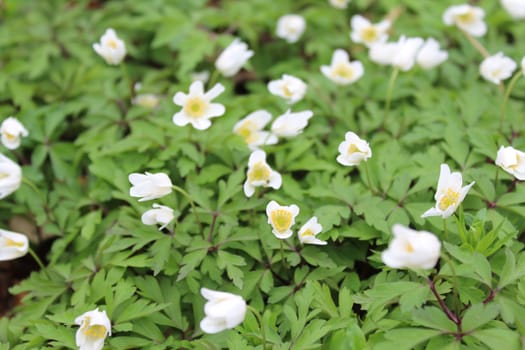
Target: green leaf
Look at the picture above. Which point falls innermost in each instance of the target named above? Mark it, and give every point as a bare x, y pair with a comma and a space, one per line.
435, 318
498, 338
479, 314
405, 338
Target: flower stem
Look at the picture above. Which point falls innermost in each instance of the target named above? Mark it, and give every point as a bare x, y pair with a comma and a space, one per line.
445, 229
38, 261
213, 78
391, 83
188, 197
451, 316
32, 185
282, 251
513, 81
259, 319
367, 173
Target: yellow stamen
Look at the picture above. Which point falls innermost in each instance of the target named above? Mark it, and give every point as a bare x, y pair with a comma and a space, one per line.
466, 18
307, 232
287, 91
3, 175
281, 219
95, 331
352, 149
450, 197
409, 248
513, 166
369, 34
259, 172
112, 43
195, 107
247, 131
343, 70
9, 136
11, 243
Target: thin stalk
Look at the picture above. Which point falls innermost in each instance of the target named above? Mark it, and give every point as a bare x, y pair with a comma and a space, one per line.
213, 78
38, 261
188, 197
391, 83
368, 178
261, 324
454, 281
512, 82
445, 229
451, 316
32, 185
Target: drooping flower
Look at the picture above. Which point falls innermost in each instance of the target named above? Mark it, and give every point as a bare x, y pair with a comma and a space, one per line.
250, 129
111, 48
260, 174
307, 234
291, 88
223, 311
231, 60
515, 8
291, 124
160, 214
353, 150
197, 108
95, 326
341, 71
12, 131
430, 55
411, 249
290, 27
363, 31
467, 18
282, 218
340, 4
401, 54
12, 245
512, 161
10, 176
146, 100
497, 68
449, 193
149, 186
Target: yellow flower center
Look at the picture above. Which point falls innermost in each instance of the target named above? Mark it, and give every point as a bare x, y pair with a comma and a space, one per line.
112, 43
195, 107
450, 197
307, 232
247, 131
9, 136
466, 18
11, 243
369, 34
343, 70
353, 149
259, 172
281, 219
3, 175
95, 331
513, 166
409, 248
286, 90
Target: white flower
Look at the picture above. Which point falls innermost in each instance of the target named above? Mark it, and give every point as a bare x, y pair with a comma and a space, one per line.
111, 48
260, 174
353, 150
223, 311
10, 176
309, 231
95, 326
231, 60
412, 249
250, 129
497, 68
12, 245
523, 65
341, 71
201, 76
363, 31
290, 27
383, 53
430, 55
512, 161
401, 54
197, 108
515, 8
160, 214
282, 218
290, 88
340, 4
466, 17
146, 100
149, 186
12, 130
449, 193
291, 124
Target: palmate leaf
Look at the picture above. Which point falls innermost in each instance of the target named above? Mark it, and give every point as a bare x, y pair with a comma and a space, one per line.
406, 338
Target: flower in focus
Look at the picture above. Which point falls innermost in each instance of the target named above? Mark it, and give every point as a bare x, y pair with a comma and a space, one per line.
340, 4
95, 326
353, 150
411, 249
10, 176
515, 8
203, 76
197, 108
341, 71
309, 231
223, 311
146, 100
231, 60
497, 68
149, 186
290, 27
282, 218
468, 18
363, 31
430, 55
12, 245
12, 131
449, 193
290, 88
160, 214
260, 174
250, 129
111, 48
512, 161
291, 124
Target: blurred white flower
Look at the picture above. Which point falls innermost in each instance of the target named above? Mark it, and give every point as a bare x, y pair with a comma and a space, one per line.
406, 51
197, 108
149, 186
449, 193
231, 60
223, 311
111, 48
411, 249
10, 176
523, 65
290, 88
467, 17
512, 161
340, 4
307, 234
515, 8
430, 55
12, 245
260, 174
290, 27
160, 214
146, 100
383, 52
497, 68
341, 71
363, 31
282, 218
12, 131
353, 150
95, 326
250, 129
200, 76
291, 124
